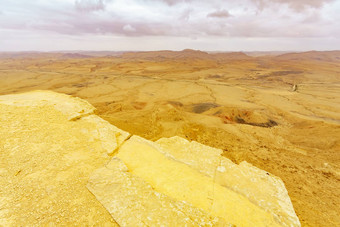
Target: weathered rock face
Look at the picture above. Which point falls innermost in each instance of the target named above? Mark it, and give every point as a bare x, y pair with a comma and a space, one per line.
55, 152
50, 143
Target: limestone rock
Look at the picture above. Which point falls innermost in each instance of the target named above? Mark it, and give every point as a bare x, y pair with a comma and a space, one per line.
73, 108
133, 202
53, 146
46, 159
110, 136
170, 176
261, 188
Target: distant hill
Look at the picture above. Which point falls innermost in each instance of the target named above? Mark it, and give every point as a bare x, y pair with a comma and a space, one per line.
59, 54
265, 53
28, 54
232, 56
74, 55
312, 55
329, 56
187, 53
166, 54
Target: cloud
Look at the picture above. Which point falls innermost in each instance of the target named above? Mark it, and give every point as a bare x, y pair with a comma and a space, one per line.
185, 15
297, 5
129, 28
133, 19
174, 2
89, 5
220, 14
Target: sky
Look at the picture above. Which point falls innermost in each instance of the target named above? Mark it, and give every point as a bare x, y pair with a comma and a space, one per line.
141, 25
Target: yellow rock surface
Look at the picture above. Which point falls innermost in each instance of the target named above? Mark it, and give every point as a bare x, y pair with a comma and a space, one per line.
260, 187
72, 108
168, 175
133, 202
46, 160
53, 146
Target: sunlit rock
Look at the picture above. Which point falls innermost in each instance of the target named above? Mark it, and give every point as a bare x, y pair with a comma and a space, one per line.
57, 168
133, 202
261, 188
50, 143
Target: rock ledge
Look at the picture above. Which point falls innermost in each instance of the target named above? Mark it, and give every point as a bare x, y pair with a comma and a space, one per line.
62, 164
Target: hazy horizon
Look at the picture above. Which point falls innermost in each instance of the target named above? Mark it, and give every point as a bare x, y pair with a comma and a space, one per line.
207, 51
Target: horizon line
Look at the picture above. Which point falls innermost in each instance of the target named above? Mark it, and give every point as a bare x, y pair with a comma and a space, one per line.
207, 51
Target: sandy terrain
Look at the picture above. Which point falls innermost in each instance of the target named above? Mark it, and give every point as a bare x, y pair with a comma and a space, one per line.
247, 106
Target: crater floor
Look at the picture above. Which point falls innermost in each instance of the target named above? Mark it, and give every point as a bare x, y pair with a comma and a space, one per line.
279, 113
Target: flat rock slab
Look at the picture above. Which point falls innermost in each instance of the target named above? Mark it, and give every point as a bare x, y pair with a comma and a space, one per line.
260, 187
133, 202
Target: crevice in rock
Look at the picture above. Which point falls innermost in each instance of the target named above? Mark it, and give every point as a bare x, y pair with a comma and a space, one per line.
80, 116
114, 152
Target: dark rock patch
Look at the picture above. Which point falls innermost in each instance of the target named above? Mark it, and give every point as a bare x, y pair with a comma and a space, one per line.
268, 124
202, 107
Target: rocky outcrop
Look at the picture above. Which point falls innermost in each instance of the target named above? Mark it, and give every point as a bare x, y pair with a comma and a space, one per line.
62, 164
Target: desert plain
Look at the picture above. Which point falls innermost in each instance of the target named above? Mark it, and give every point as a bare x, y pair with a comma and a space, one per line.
279, 112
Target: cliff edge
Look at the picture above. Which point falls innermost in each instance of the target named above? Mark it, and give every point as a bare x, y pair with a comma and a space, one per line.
62, 164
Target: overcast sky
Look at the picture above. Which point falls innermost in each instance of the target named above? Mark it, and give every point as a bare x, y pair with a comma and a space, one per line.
217, 25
